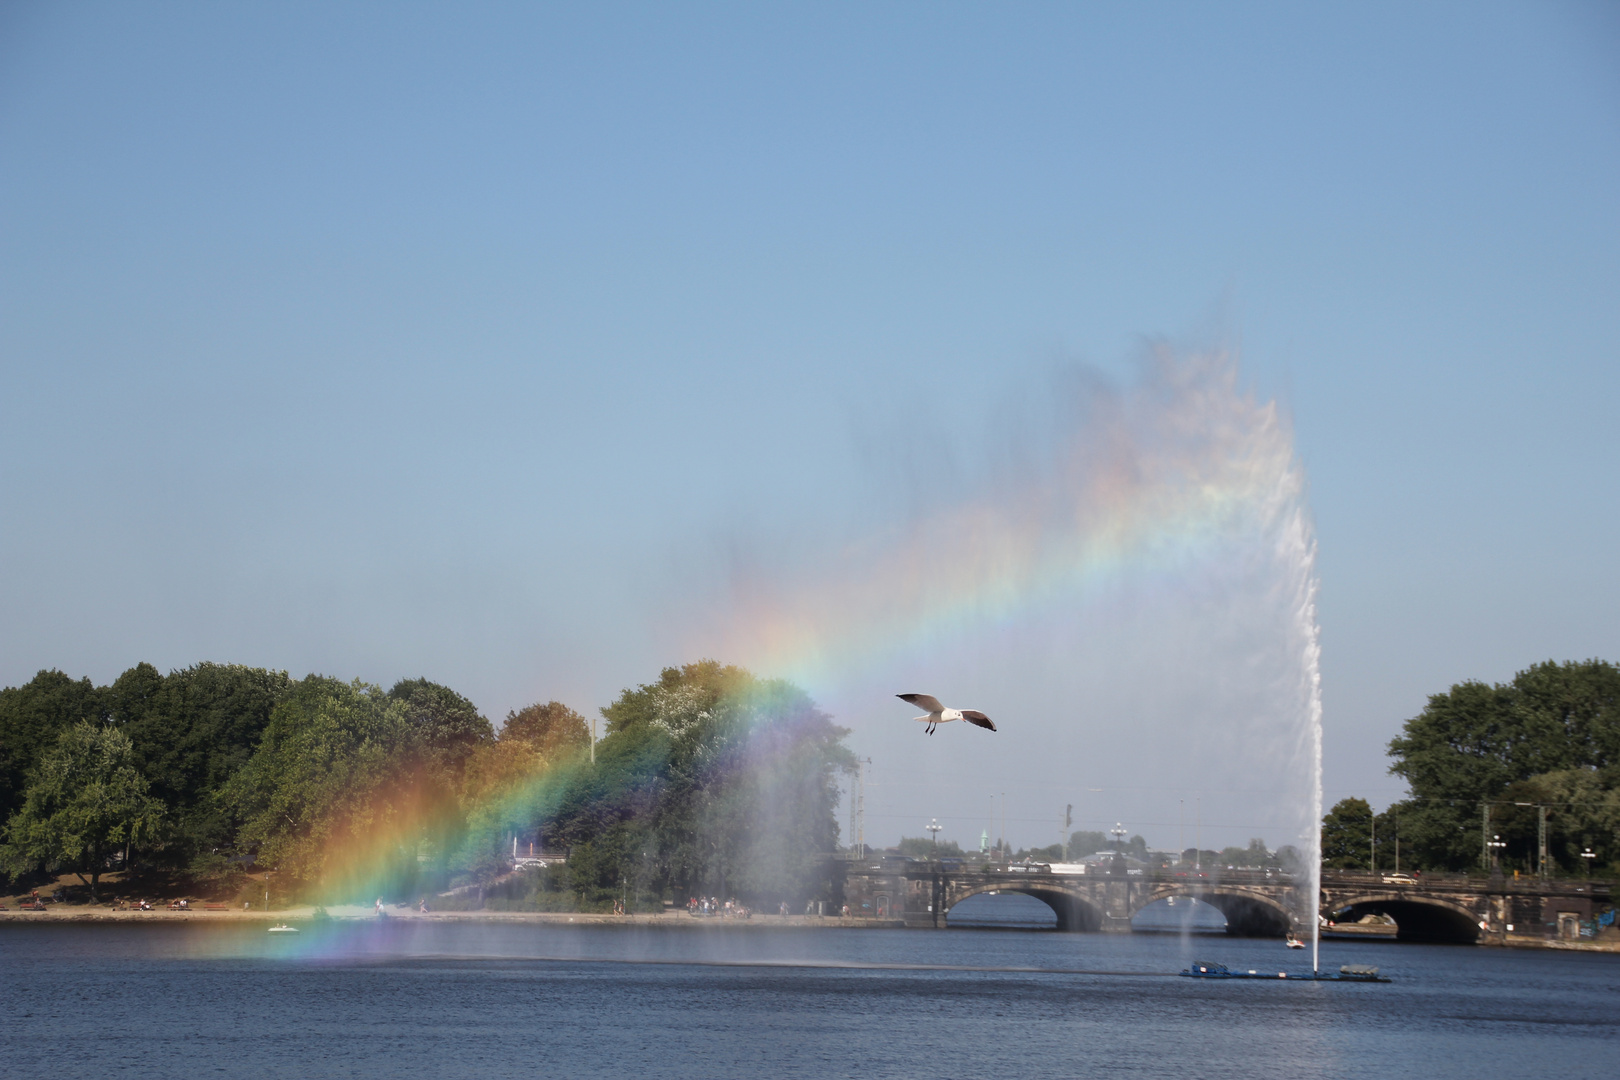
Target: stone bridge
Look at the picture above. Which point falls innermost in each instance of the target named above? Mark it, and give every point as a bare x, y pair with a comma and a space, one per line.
1458, 908
1255, 903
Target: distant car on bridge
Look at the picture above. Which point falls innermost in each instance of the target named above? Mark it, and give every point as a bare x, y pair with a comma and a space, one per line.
1399, 879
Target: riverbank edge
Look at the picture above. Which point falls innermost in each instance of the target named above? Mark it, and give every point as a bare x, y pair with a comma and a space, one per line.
667, 920
308, 915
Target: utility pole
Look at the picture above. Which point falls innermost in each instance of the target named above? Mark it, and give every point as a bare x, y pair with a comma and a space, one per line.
860, 806
1541, 841
854, 782
1063, 838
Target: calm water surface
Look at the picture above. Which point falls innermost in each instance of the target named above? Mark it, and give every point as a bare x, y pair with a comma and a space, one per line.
402, 999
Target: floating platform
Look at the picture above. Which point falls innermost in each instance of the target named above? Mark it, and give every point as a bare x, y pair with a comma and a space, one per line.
1348, 973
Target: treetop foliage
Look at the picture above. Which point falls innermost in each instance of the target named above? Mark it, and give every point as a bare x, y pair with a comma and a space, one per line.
32, 716
1475, 739
1347, 835
551, 729
1550, 736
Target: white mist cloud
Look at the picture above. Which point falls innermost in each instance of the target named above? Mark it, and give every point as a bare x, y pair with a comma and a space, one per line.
1121, 574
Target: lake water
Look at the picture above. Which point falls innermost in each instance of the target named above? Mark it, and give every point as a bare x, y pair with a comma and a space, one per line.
420, 999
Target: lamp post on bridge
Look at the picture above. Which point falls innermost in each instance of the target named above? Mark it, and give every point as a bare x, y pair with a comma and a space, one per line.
1496, 844
934, 826
1586, 858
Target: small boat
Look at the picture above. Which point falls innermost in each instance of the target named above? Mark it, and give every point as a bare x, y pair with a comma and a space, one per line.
284, 929
1293, 942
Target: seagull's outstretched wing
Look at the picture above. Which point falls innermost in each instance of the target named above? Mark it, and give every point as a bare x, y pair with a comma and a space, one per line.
974, 716
926, 702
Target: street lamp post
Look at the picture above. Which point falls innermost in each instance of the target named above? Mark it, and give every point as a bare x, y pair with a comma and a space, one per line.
1586, 857
934, 826
1496, 844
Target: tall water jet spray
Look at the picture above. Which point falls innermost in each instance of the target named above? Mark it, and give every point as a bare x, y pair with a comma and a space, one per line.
1299, 553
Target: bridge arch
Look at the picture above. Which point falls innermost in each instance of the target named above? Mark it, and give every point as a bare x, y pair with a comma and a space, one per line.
1248, 914
1416, 918
1074, 913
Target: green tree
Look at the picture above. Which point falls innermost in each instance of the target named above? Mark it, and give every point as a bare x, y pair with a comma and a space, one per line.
1347, 835
1469, 744
1255, 856
552, 729
1088, 842
517, 781
1290, 860
32, 717
350, 787
446, 728
1585, 814
1582, 808
192, 731
84, 801
318, 799
709, 781
923, 847
446, 734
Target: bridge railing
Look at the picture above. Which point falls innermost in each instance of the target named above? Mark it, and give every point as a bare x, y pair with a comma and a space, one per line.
1212, 876
1450, 881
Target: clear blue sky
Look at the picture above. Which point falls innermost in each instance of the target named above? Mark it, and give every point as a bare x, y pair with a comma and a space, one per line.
399, 339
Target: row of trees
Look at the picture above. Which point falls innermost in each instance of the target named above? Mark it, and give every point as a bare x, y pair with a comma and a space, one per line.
1548, 741
708, 780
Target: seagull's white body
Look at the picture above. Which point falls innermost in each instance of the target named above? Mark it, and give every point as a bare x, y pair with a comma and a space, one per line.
938, 714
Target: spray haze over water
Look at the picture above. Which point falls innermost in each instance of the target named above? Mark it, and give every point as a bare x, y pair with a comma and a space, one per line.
1123, 575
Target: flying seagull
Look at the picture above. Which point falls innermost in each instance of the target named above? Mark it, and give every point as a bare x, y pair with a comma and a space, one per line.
939, 714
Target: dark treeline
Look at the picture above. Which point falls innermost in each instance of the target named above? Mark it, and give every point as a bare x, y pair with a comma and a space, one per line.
1549, 741
707, 781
